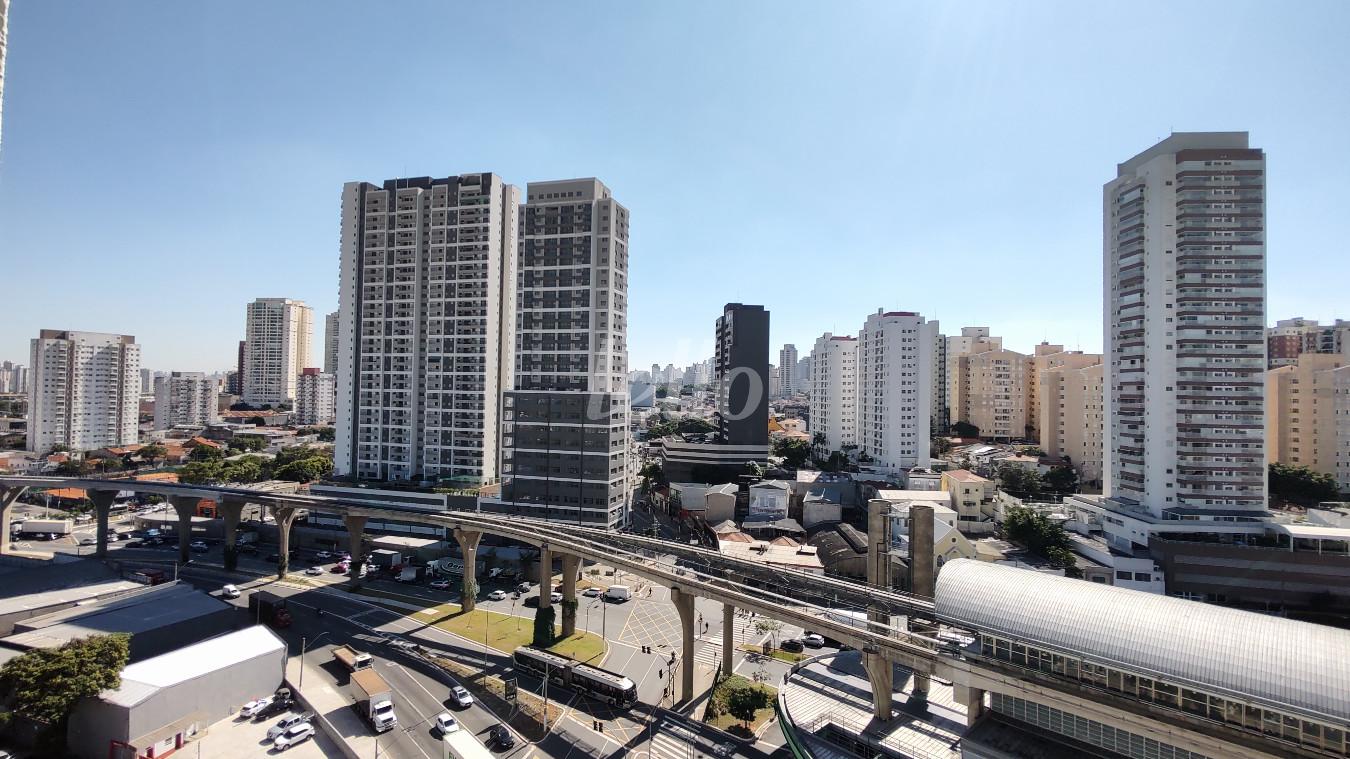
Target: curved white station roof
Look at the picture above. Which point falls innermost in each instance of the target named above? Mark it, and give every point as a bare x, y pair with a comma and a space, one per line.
1267, 659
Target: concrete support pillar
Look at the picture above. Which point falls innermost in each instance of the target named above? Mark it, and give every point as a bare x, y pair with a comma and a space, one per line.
728, 638
881, 674
8, 495
185, 507
918, 693
922, 581
356, 529
570, 566
231, 511
468, 547
545, 577
103, 501
972, 699
285, 517
684, 604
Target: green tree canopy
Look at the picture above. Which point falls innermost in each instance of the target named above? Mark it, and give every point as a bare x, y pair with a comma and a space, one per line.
305, 470
1300, 484
200, 473
965, 429
1018, 481
45, 684
153, 452
206, 453
243, 469
248, 442
1038, 534
794, 451
1061, 479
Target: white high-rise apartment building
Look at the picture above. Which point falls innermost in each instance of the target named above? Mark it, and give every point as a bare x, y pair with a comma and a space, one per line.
787, 370
565, 439
895, 389
277, 336
13, 378
84, 390
330, 343
186, 398
834, 390
1184, 313
316, 397
425, 327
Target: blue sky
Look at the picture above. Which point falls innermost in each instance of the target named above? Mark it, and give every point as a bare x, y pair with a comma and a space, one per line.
164, 163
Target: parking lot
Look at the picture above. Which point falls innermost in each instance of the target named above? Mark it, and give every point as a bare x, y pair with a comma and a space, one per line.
232, 738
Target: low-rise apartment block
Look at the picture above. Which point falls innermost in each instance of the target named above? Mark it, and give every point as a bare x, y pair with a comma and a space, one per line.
1308, 415
186, 398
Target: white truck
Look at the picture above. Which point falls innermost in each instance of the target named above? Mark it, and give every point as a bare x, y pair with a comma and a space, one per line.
374, 699
45, 527
618, 593
352, 659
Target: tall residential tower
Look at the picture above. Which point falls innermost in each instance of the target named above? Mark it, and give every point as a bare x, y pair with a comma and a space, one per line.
84, 391
1184, 299
277, 335
424, 327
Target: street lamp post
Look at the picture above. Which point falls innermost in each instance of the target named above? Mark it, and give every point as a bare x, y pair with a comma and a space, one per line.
303, 646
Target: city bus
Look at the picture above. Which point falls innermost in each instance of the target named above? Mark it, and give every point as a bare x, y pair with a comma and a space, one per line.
597, 683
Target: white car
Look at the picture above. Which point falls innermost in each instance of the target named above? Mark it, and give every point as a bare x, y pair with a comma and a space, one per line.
811, 640
445, 722
323, 555
555, 597
229, 591
286, 723
314, 571
461, 696
251, 709
439, 585
497, 595
293, 735
592, 591
87, 541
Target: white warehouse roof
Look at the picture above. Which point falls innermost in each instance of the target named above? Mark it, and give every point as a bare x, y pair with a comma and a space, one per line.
1278, 661
142, 679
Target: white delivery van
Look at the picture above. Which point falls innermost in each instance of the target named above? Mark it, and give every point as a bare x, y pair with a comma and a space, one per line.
618, 593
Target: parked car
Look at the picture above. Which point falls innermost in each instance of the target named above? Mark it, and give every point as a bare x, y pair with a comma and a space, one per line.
297, 734
555, 597
279, 704
323, 555
229, 591
251, 709
524, 587
501, 737
792, 646
461, 696
286, 723
198, 546
592, 591
314, 571
445, 722
340, 569
812, 640
439, 585
497, 595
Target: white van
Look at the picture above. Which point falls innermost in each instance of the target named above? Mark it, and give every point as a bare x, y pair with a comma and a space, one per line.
229, 591
618, 593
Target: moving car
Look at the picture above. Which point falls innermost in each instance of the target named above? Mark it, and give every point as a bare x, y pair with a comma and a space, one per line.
445, 722
297, 734
439, 585
812, 640
339, 569
229, 591
252, 708
287, 723
592, 591
501, 737
314, 571
497, 595
524, 587
461, 696
88, 541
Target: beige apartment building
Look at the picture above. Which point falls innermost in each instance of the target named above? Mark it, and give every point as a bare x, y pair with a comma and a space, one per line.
1308, 415
992, 392
1071, 415
1044, 358
971, 340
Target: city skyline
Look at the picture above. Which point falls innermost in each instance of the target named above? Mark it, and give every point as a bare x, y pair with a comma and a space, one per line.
891, 251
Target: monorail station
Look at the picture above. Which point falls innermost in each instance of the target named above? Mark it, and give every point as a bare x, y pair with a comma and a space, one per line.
1056, 667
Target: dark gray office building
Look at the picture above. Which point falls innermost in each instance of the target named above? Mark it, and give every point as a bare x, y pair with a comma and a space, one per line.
741, 375
565, 425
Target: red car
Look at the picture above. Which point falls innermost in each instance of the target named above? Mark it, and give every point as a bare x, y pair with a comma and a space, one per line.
340, 569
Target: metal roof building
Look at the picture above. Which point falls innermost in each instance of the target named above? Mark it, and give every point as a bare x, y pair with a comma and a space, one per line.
1282, 663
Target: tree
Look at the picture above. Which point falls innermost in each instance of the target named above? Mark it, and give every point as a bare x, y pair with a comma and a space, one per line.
543, 625
200, 473
771, 628
59, 448
1019, 481
940, 445
203, 452
45, 684
1061, 479
965, 429
243, 469
75, 468
248, 442
820, 441
661, 392
327, 434
315, 467
153, 452
793, 451
744, 701
257, 421
1301, 484
1042, 536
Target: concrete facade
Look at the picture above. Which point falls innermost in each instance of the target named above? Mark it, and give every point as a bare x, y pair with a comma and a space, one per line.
189, 398
84, 392
834, 390
315, 397
741, 375
895, 386
1071, 417
1306, 415
277, 337
993, 392
1184, 299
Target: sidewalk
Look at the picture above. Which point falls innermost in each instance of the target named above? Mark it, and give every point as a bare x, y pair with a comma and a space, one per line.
333, 713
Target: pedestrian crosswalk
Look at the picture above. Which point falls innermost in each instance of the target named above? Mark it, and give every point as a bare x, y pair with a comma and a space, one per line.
708, 650
667, 744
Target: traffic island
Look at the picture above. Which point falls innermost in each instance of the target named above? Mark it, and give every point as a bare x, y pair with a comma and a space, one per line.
740, 706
